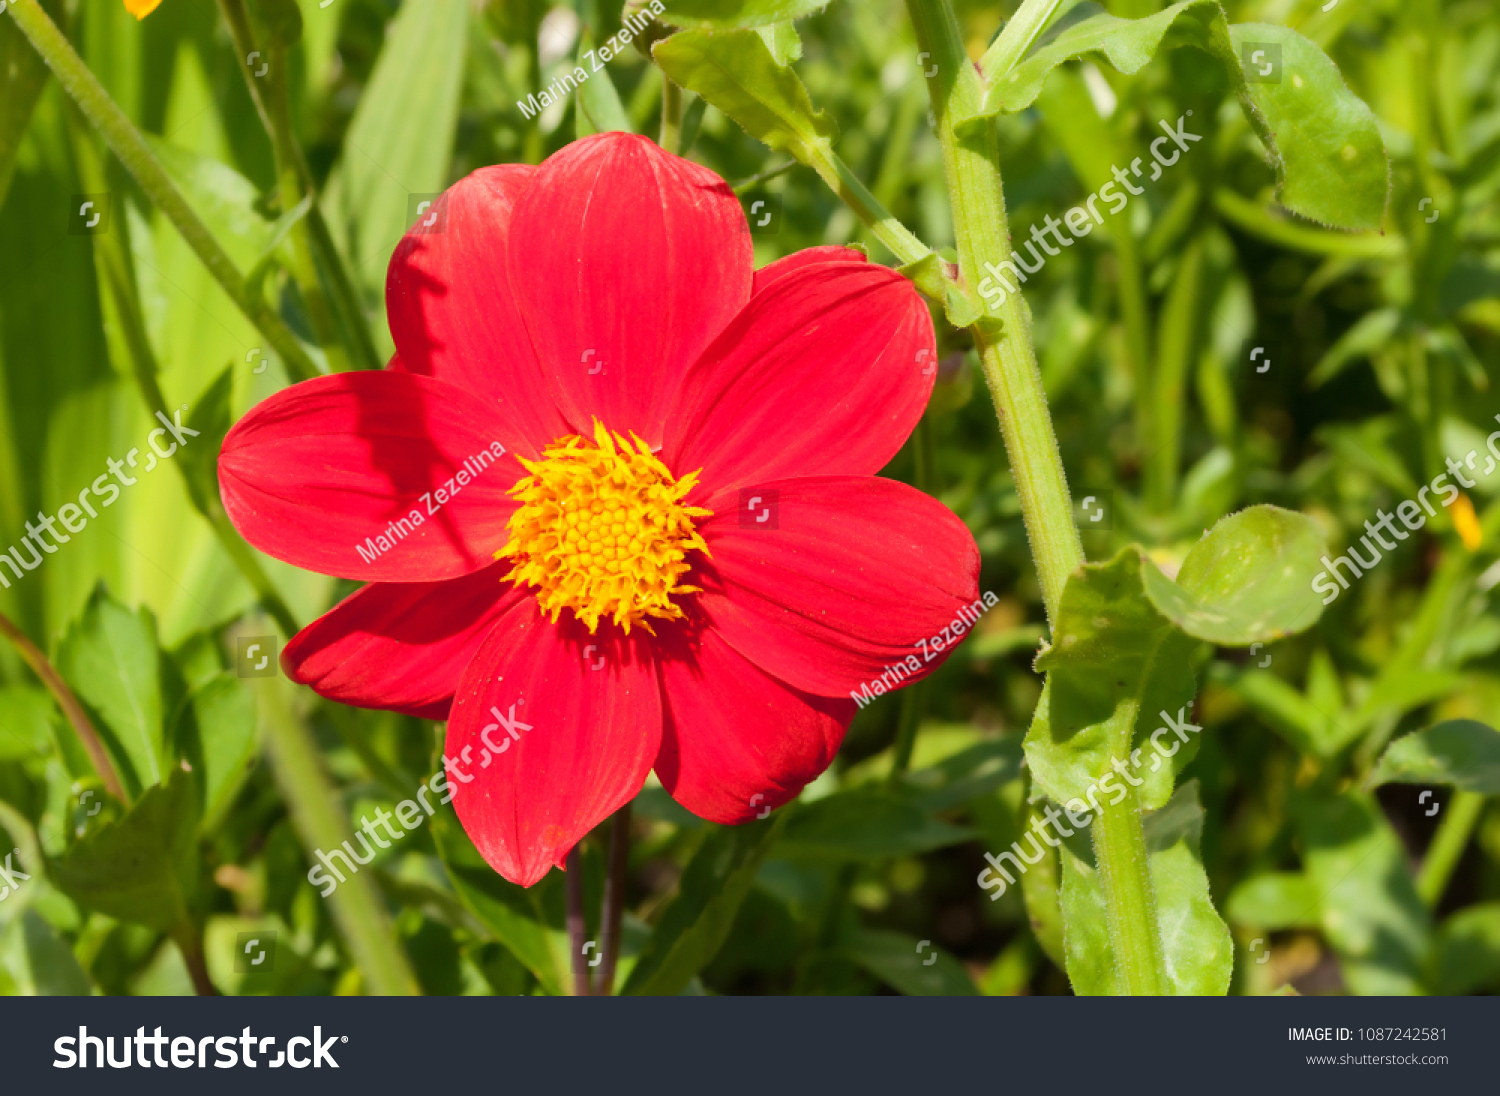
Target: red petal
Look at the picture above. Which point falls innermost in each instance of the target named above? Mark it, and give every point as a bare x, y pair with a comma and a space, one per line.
333, 462
737, 742
826, 372
798, 259
401, 646
594, 710
626, 262
853, 574
452, 312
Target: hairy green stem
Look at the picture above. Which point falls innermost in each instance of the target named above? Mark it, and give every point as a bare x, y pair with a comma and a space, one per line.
1448, 845
130, 146
317, 812
1003, 334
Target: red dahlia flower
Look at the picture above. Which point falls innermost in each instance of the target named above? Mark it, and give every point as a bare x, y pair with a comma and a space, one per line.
615, 499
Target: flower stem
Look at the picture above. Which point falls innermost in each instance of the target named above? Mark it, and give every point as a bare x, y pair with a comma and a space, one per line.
577, 928
671, 114
317, 815
614, 897
49, 676
133, 151
971, 160
311, 241
1448, 845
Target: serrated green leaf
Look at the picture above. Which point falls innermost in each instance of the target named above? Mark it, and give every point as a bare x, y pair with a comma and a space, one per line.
693, 927
869, 824
514, 914
110, 658
1248, 579
737, 73
1371, 912
143, 868
1197, 949
735, 14
915, 967
1275, 900
1460, 752
1323, 141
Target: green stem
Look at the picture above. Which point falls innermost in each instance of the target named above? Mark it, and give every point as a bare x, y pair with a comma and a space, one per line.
274, 116
971, 160
671, 114
189, 941
1448, 845
1016, 38
92, 744
614, 898
118, 288
130, 146
1175, 346
317, 814
576, 923
1003, 337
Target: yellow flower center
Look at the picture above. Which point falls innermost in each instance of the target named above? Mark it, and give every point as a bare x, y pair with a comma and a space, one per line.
602, 530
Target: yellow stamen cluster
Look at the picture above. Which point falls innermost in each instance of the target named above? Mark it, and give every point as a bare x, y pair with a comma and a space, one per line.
602, 530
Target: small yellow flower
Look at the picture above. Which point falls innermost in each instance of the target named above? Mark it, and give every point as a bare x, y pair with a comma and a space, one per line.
1466, 523
141, 8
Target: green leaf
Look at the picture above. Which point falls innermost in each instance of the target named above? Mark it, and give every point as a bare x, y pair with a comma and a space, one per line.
736, 72
144, 867
212, 418
966, 775
1275, 900
783, 42
1323, 141
514, 914
1371, 332
281, 18
109, 656
400, 139
1247, 580
916, 967
735, 14
1460, 752
868, 824
215, 732
1197, 949
1466, 952
693, 927
1371, 912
